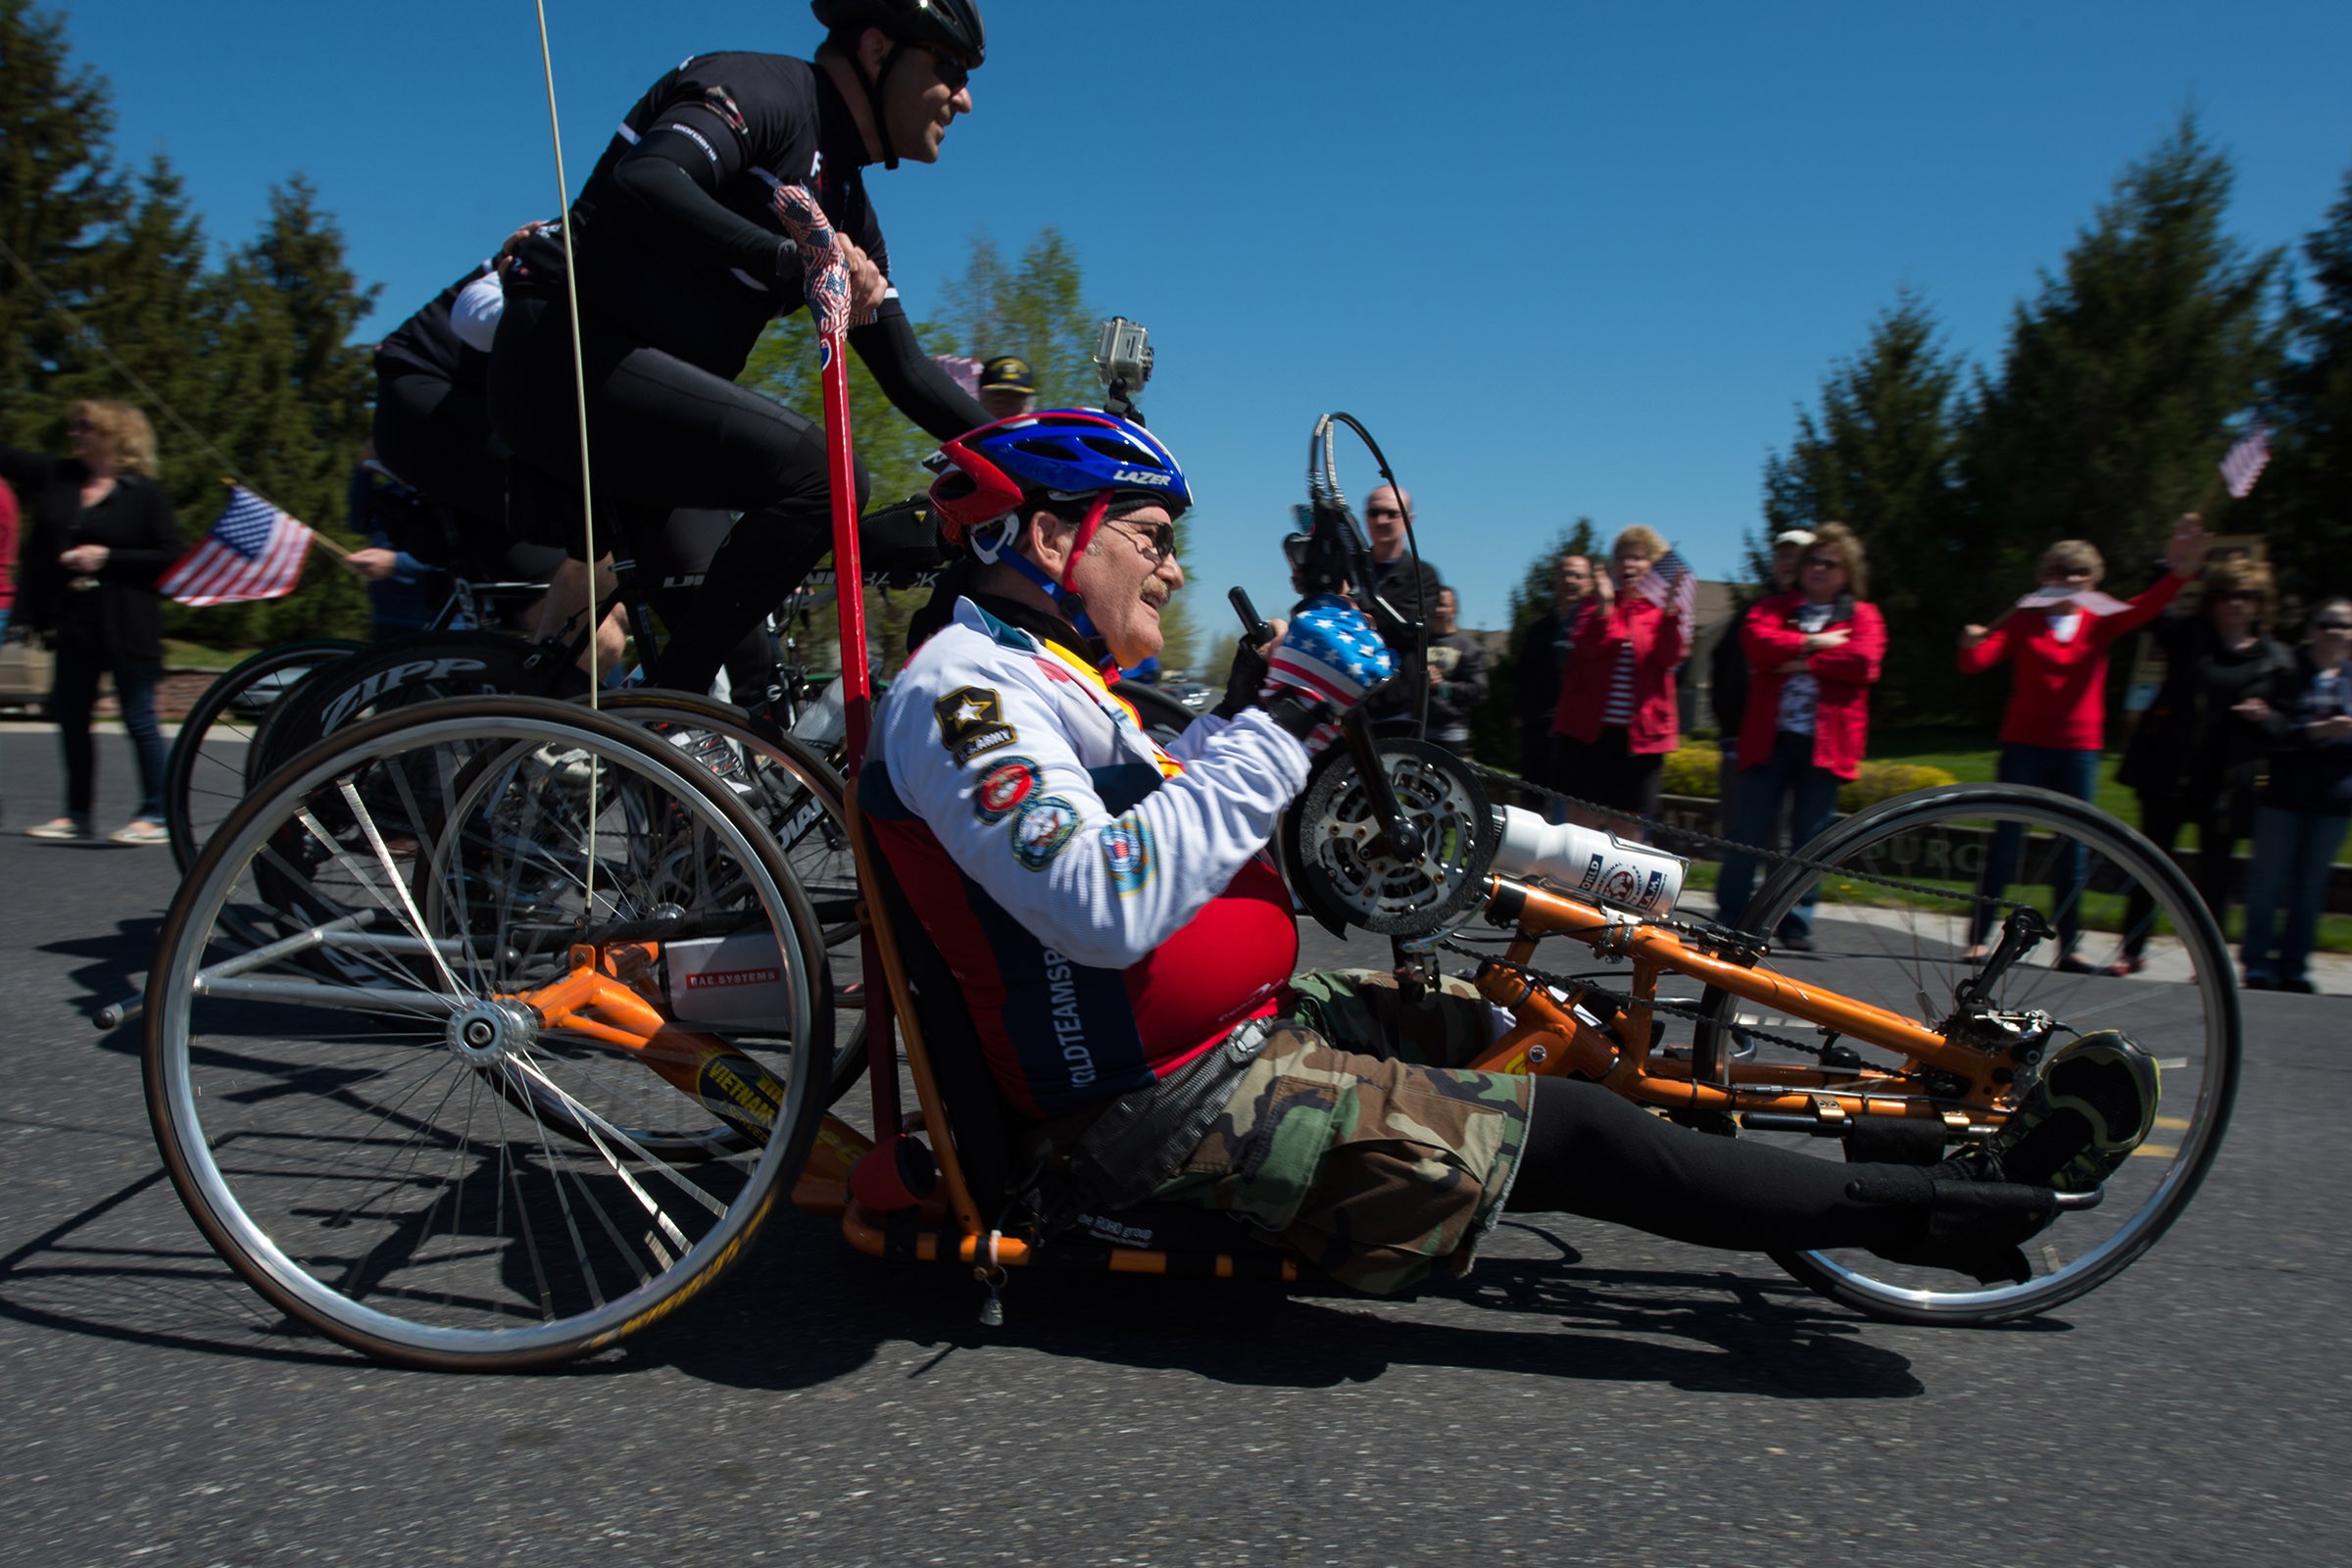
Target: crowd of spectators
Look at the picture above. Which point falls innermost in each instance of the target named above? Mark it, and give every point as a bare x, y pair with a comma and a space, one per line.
2244, 739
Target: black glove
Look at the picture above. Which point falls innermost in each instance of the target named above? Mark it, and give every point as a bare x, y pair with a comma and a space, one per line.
1242, 685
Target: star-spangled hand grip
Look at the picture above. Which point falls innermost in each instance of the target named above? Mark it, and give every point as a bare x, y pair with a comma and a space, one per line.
1329, 652
826, 274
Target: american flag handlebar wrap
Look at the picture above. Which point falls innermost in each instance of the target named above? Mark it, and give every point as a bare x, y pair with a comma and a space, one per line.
826, 274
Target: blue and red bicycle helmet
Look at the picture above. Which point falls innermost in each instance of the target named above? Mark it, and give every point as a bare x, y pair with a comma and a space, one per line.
1057, 456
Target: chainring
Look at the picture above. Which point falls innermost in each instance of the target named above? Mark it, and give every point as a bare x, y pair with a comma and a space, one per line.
1344, 870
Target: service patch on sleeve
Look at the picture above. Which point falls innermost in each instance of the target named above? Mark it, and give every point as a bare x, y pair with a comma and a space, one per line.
1004, 787
971, 723
1127, 845
1041, 829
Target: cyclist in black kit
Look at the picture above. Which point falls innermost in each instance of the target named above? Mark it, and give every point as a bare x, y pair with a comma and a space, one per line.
682, 262
432, 431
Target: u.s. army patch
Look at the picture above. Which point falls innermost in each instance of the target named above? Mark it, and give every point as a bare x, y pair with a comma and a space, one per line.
971, 723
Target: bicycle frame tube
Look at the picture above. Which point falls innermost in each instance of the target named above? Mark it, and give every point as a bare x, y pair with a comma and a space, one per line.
1551, 1039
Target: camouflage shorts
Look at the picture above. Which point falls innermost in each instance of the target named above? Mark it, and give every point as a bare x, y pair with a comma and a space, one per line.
1374, 1170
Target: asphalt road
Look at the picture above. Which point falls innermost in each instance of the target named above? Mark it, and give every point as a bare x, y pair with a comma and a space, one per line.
1586, 1395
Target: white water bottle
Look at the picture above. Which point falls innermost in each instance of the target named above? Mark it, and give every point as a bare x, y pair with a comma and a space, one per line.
1590, 863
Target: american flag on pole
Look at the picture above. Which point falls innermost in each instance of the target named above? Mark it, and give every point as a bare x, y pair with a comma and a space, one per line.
1671, 584
254, 552
2244, 464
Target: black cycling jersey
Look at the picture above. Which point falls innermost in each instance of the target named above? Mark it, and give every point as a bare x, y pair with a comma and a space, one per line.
679, 246
428, 342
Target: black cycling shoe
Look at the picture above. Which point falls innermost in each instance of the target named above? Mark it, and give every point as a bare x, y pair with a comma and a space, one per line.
2094, 1102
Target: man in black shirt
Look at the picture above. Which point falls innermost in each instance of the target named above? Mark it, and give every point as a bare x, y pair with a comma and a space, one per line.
1457, 676
682, 260
1542, 654
1402, 595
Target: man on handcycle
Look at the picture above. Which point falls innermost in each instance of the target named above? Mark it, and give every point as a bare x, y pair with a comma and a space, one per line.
1125, 946
681, 261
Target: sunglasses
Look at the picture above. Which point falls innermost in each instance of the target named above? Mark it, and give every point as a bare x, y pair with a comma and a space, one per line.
82, 427
1156, 541
2331, 625
954, 75
1822, 561
1383, 512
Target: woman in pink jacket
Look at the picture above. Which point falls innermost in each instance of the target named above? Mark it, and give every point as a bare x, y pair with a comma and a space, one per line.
1813, 654
1617, 717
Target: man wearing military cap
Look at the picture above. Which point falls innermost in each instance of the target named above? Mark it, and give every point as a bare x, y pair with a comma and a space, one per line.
1008, 387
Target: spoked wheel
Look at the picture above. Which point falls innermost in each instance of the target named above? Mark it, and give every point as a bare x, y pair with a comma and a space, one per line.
213, 756
797, 797
566, 1055
1967, 858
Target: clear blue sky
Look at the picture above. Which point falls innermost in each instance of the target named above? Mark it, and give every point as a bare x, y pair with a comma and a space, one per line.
1563, 258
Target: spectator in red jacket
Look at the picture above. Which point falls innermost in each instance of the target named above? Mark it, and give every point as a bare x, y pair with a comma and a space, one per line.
1617, 717
2056, 724
1813, 654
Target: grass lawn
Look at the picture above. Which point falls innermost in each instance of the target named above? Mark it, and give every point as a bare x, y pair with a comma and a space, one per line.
196, 655
1963, 754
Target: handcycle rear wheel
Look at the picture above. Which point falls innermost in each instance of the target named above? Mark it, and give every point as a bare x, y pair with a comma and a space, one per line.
1906, 949
211, 757
369, 1144
799, 797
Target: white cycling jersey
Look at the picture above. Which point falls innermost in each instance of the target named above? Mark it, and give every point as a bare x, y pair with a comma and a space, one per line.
1105, 904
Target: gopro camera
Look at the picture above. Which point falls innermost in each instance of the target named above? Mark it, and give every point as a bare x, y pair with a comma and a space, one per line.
1123, 357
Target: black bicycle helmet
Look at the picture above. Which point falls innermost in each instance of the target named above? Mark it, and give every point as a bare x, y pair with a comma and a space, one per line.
953, 26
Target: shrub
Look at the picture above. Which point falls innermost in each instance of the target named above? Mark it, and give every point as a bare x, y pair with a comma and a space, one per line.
1695, 770
1880, 781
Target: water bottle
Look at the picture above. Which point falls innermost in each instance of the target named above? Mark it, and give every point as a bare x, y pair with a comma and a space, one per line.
1589, 863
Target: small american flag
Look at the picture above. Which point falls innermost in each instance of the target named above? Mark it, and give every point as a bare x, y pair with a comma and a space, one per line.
2244, 464
254, 552
1671, 584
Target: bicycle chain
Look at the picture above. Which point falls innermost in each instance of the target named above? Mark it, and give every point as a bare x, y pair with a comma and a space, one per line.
1771, 858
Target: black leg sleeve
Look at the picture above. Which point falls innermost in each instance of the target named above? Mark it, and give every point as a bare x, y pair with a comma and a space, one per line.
1593, 1153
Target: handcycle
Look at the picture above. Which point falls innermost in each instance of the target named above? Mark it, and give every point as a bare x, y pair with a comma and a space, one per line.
519, 1072
487, 1032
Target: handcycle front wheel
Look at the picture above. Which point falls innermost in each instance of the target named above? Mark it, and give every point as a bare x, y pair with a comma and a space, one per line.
211, 757
421, 1150
1908, 949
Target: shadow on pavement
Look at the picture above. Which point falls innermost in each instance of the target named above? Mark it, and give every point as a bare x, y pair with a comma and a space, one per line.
804, 1308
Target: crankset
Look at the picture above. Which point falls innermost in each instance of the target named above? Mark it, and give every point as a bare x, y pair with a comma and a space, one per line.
1347, 871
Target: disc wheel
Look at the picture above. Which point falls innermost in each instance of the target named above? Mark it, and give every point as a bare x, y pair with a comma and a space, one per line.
416, 669
1908, 950
375, 1145
1347, 869
211, 757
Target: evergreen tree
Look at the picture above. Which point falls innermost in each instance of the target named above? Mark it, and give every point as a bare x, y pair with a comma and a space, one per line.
1879, 457
59, 197
2109, 413
2304, 500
